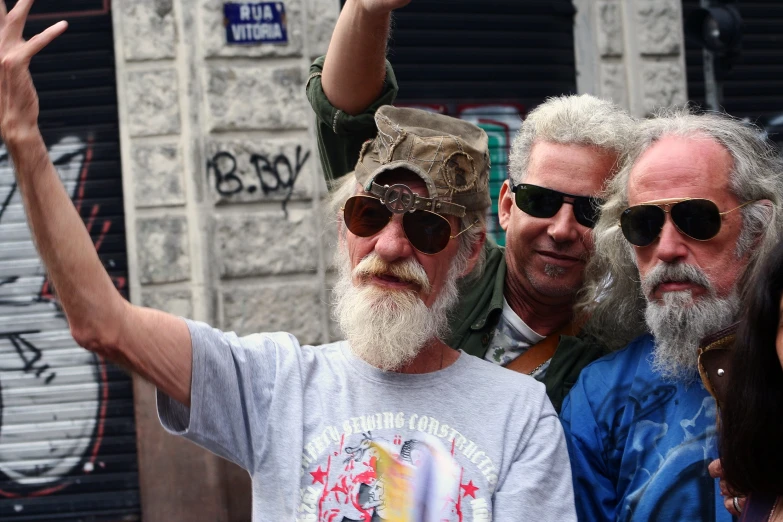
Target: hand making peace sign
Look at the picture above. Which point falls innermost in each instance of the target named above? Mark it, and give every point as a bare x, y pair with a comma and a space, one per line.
18, 97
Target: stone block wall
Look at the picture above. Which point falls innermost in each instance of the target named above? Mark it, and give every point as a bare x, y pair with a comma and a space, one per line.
223, 205
632, 52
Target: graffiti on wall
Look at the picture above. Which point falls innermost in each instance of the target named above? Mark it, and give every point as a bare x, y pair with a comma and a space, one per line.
53, 394
274, 175
501, 123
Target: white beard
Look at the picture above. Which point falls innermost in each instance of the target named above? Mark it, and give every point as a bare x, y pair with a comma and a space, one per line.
680, 322
388, 328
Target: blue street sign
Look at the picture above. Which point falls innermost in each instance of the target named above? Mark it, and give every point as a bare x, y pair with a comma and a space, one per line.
255, 23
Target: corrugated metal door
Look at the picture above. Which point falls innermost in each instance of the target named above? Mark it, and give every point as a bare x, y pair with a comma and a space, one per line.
67, 435
488, 62
754, 86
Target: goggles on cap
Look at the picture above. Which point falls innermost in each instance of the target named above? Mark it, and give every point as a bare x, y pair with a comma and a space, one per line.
428, 232
696, 218
543, 202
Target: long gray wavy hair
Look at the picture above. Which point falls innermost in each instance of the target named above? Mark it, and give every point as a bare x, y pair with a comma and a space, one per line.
611, 296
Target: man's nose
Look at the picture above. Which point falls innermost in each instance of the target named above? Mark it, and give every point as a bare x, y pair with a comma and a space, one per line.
564, 227
392, 243
671, 247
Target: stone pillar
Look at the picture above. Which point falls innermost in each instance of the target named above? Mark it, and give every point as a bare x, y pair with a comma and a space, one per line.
631, 52
223, 197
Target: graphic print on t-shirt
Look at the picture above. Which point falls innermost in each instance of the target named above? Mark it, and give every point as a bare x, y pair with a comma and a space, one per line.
511, 338
341, 480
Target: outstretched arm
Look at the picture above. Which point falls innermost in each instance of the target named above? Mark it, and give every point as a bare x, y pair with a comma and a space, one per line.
355, 65
152, 343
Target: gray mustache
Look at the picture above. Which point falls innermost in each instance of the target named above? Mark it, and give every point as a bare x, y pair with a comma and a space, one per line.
675, 273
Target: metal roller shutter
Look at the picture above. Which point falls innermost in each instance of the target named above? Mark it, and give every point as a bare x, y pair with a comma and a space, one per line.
754, 86
459, 51
488, 62
67, 432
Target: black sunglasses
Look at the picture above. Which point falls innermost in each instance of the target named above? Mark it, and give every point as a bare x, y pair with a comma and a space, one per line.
698, 219
542, 202
428, 232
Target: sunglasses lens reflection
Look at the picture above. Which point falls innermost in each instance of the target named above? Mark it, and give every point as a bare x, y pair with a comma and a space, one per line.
538, 201
365, 216
697, 218
642, 224
428, 232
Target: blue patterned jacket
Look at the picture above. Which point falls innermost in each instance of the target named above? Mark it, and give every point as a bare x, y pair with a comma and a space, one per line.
640, 446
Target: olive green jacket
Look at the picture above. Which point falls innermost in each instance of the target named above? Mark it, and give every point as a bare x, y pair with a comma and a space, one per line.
340, 137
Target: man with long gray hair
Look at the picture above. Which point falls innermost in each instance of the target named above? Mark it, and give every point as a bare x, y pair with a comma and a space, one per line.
519, 311
695, 206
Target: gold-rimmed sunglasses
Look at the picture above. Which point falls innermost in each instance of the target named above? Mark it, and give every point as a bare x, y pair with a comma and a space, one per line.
697, 218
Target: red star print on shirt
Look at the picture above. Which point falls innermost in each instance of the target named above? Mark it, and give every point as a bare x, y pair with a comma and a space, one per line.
469, 488
318, 475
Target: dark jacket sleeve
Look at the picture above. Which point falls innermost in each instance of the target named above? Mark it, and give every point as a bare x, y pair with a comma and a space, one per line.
340, 136
572, 354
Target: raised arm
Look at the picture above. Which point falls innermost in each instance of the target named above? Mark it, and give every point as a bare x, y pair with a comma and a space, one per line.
355, 65
152, 343
347, 86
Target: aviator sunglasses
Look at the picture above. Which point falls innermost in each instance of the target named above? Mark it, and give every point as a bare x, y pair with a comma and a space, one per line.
428, 232
696, 218
542, 202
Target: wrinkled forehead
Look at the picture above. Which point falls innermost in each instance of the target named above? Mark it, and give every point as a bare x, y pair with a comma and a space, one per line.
681, 167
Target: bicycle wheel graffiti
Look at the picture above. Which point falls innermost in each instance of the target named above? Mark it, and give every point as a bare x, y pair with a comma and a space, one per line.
53, 394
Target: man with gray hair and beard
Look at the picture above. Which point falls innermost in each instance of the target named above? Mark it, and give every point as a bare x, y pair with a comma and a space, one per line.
519, 311
319, 428
694, 208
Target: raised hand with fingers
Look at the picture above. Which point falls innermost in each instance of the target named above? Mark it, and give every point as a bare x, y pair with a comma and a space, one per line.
18, 97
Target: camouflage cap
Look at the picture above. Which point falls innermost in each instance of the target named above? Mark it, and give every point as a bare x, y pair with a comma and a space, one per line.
450, 155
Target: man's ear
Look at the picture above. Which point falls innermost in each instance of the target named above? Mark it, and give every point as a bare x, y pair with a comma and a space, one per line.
767, 204
505, 202
768, 208
475, 253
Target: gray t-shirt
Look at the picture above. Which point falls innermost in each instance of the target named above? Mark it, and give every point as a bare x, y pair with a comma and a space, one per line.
300, 419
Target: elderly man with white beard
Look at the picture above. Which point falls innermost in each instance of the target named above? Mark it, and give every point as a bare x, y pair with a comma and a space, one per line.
319, 428
694, 208
519, 312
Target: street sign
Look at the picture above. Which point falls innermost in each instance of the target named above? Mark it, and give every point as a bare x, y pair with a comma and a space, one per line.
255, 23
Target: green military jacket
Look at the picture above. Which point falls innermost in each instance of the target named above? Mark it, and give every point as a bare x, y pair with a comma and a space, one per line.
340, 137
